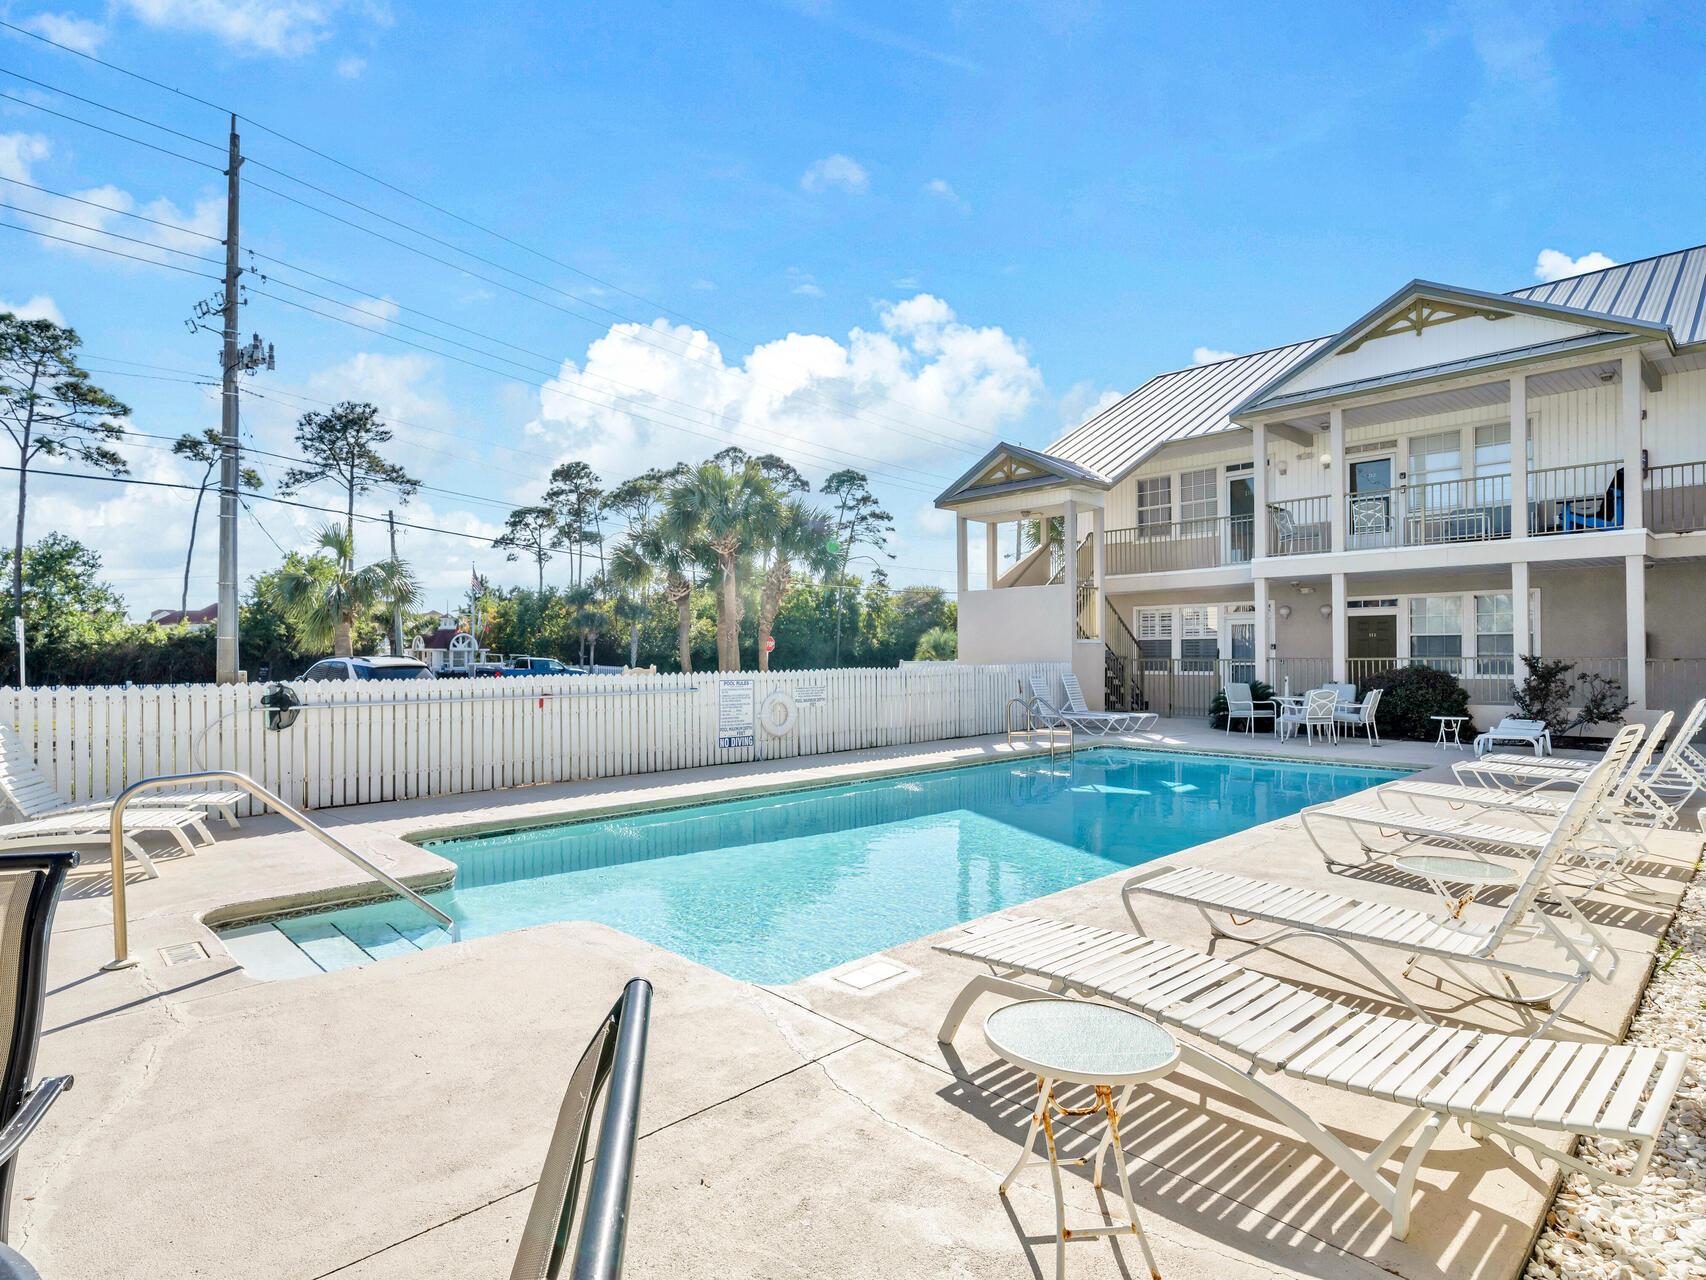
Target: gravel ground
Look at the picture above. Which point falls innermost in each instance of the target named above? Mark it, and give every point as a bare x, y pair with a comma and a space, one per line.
1657, 1229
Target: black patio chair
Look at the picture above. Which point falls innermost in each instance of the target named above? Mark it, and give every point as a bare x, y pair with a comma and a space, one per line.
29, 891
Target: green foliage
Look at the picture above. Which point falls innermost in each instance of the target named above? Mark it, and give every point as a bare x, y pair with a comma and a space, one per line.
342, 446
937, 645
324, 597
1546, 693
1414, 695
1259, 691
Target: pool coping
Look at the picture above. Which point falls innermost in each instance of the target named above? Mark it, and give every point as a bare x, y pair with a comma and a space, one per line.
337, 897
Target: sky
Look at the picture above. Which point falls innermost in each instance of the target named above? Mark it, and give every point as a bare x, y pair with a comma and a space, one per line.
882, 236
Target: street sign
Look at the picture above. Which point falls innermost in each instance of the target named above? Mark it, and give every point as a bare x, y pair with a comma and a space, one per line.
769, 644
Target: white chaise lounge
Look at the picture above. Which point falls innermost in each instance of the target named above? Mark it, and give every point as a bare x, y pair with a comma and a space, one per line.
1538, 1094
71, 830
1457, 940
1533, 732
1096, 723
27, 789
1682, 770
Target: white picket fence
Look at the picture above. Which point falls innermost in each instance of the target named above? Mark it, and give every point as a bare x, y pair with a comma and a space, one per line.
361, 742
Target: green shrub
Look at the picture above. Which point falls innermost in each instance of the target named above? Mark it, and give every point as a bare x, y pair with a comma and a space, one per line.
1217, 709
1413, 696
939, 644
1546, 694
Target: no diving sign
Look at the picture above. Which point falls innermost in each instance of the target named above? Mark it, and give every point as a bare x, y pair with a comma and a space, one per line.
734, 714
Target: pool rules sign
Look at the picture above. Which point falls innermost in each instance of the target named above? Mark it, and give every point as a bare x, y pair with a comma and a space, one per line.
734, 714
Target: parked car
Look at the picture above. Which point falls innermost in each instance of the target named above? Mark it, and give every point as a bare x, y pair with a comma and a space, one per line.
522, 666
369, 669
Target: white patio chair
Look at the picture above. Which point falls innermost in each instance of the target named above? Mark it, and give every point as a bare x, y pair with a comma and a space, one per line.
1242, 704
1316, 713
1454, 939
27, 789
1540, 1095
1511, 729
1360, 715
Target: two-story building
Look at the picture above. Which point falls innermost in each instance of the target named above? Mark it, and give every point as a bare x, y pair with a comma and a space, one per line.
1456, 477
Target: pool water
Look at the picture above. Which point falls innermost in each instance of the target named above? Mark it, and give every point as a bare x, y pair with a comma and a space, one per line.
775, 888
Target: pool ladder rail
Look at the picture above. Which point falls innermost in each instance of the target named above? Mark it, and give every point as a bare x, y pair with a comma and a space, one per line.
121, 931
1036, 729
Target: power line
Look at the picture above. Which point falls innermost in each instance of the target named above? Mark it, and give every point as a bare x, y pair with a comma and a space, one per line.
101, 128
152, 124
117, 253
116, 235
107, 208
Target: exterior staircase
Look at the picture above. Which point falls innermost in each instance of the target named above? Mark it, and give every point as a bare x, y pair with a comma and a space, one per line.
307, 945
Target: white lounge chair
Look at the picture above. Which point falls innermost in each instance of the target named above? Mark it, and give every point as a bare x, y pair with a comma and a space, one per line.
1510, 729
26, 788
1521, 1091
1681, 770
1316, 713
1242, 704
1096, 723
70, 830
1078, 708
1455, 940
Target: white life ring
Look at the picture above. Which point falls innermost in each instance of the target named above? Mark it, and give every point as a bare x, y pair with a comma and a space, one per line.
778, 713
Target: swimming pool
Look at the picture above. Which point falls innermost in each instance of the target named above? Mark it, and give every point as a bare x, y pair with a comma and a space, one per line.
777, 887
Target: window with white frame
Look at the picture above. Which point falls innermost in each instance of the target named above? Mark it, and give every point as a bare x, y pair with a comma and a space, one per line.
1493, 449
1436, 457
1155, 634
1154, 502
1495, 638
1436, 629
1197, 494
1199, 637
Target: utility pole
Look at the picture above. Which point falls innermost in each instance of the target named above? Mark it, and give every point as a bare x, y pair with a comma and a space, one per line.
396, 605
226, 646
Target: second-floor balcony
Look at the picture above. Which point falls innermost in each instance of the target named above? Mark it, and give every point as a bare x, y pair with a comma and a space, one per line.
1584, 498
1171, 545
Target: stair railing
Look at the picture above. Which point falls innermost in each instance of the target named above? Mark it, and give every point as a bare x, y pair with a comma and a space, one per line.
121, 930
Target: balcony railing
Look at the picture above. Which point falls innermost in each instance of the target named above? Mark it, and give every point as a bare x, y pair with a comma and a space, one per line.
1676, 498
1429, 513
1576, 499
1205, 543
1300, 527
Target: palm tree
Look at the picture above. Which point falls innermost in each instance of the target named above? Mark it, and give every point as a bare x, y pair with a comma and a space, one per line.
792, 536
653, 553
716, 509
323, 596
584, 616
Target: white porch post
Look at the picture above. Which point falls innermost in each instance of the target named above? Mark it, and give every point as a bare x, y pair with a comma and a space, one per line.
1634, 515
1339, 516
1099, 568
1635, 610
1263, 640
1522, 639
1341, 662
1519, 459
1259, 540
964, 564
1069, 535
991, 563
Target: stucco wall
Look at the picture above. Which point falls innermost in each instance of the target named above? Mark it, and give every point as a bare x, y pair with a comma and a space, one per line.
1017, 624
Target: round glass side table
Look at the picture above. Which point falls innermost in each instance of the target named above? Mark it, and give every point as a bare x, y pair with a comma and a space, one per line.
1070, 1042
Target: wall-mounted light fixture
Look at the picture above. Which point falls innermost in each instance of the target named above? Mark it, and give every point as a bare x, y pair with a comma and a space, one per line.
1285, 611
1326, 459
1326, 611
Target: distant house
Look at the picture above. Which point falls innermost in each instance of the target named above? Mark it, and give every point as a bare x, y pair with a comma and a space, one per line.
446, 650
197, 619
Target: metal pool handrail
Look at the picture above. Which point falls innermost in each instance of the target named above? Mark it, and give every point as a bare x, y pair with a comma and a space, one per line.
613, 1062
121, 932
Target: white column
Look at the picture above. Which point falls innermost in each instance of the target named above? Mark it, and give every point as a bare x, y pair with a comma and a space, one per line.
1259, 453
991, 563
964, 561
1341, 660
1339, 515
1519, 458
1263, 639
1635, 610
1521, 638
1099, 568
1634, 515
1069, 535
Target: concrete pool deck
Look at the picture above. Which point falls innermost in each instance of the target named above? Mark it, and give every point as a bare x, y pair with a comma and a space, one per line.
389, 1120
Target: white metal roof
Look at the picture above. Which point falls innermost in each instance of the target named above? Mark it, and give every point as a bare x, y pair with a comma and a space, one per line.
1669, 291
1174, 406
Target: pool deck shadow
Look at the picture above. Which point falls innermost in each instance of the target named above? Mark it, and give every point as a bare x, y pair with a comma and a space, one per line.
390, 1120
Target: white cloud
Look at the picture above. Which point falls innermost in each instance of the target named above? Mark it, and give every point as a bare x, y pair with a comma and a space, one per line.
905, 282
1082, 402
803, 283
382, 310
836, 171
1552, 265
286, 28
702, 285
351, 68
18, 151
920, 371
943, 191
1210, 355
68, 29
40, 307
